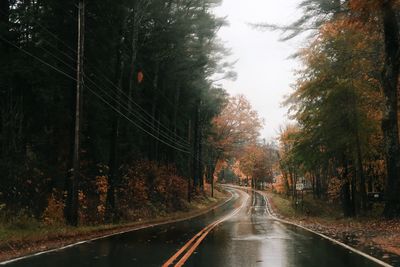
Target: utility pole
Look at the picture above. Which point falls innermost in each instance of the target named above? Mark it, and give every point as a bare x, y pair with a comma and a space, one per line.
72, 201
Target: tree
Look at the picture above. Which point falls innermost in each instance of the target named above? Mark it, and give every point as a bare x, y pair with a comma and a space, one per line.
390, 125
238, 124
256, 161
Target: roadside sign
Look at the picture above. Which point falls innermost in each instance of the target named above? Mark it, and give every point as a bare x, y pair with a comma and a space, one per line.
299, 186
375, 196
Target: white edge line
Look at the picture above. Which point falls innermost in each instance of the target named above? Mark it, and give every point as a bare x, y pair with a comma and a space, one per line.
371, 258
115, 234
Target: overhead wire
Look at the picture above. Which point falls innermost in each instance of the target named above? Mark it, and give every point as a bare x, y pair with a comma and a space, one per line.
140, 107
167, 100
134, 123
188, 151
103, 76
93, 92
37, 58
147, 123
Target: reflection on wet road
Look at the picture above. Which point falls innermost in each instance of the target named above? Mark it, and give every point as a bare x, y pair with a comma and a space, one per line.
253, 238
250, 238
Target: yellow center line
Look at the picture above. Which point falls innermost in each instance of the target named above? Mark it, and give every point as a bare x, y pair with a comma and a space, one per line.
197, 239
177, 254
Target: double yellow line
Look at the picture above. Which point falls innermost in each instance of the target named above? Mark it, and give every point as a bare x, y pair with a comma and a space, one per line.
193, 243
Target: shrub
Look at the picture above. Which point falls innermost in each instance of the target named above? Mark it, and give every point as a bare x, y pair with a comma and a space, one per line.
54, 212
147, 185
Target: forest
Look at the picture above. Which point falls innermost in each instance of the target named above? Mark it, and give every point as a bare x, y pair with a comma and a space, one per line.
345, 139
111, 110
147, 102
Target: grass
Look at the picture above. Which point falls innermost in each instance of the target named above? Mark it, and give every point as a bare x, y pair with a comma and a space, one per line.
310, 208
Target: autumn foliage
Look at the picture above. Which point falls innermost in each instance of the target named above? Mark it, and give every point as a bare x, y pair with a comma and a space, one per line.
345, 141
149, 189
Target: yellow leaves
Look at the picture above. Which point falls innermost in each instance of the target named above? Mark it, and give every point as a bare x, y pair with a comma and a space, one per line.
102, 184
54, 212
287, 135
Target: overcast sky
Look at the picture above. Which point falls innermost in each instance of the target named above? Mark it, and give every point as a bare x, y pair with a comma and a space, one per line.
264, 71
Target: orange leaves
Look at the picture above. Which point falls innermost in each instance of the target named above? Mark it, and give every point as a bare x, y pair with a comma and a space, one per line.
54, 212
256, 161
237, 125
140, 77
146, 184
102, 188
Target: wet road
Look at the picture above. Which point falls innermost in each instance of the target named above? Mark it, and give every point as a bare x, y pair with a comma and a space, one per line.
249, 237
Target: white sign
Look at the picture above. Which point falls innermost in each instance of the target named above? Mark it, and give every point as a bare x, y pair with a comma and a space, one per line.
299, 186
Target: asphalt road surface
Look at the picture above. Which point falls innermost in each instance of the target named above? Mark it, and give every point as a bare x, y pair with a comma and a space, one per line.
239, 233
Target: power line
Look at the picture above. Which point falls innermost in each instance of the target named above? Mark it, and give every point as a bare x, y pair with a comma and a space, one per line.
141, 118
137, 105
59, 59
168, 101
104, 76
101, 98
60, 51
37, 58
146, 122
134, 123
117, 102
120, 90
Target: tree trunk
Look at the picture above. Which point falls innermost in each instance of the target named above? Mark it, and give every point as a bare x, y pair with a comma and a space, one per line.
318, 185
114, 142
363, 192
390, 130
196, 163
201, 165
345, 199
132, 67
154, 144
353, 187
4, 95
345, 193
175, 115
359, 157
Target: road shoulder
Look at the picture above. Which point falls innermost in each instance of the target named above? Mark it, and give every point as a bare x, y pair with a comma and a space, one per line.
357, 235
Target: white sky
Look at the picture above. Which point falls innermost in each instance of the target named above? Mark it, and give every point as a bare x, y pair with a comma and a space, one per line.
264, 71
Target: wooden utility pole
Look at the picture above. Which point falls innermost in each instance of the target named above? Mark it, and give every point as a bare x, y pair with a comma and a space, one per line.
72, 201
